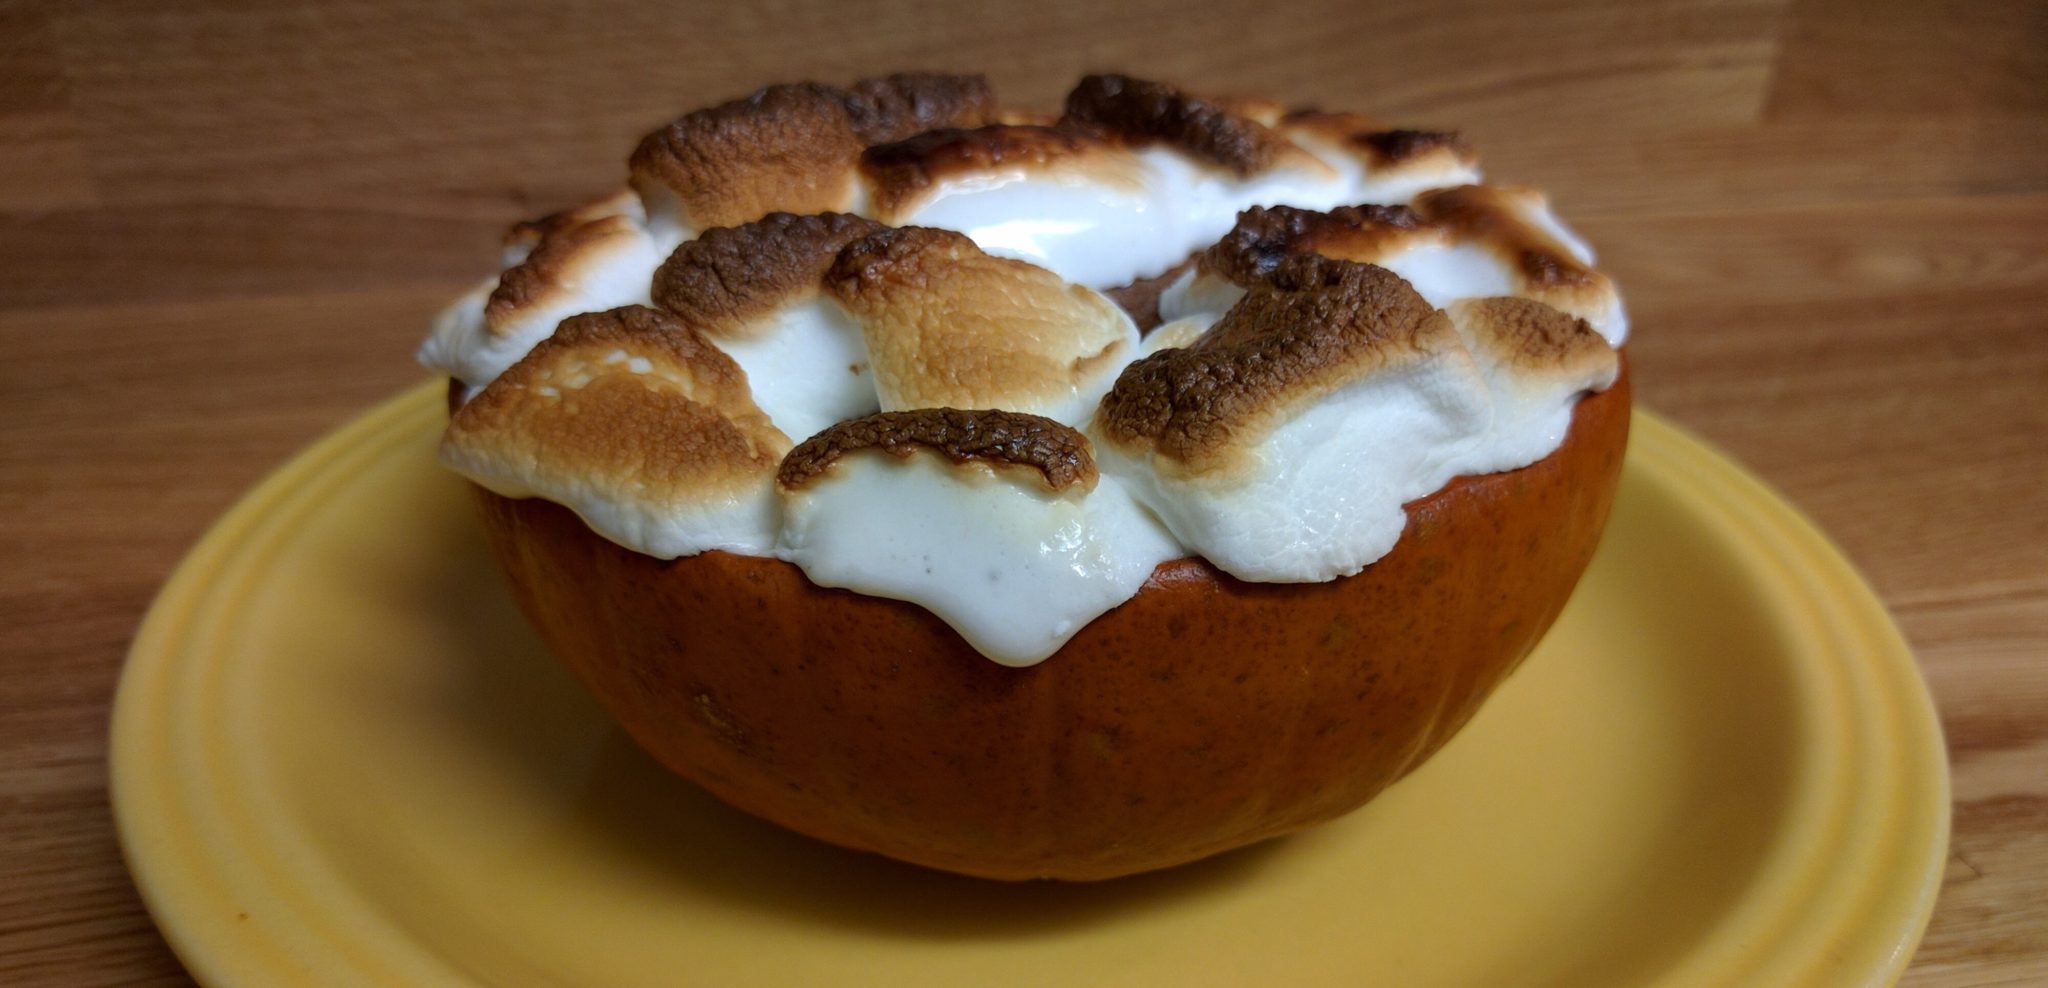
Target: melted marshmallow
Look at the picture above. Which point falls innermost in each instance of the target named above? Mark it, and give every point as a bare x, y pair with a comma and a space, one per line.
1014, 568
743, 521
1104, 231
1441, 272
808, 368
1322, 494
1370, 186
462, 344
1532, 405
1444, 271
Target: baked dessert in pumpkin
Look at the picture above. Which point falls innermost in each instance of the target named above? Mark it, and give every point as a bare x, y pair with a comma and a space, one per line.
1041, 496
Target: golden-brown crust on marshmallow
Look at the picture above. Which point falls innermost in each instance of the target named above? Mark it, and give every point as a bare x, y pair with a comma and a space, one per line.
1312, 324
563, 245
793, 147
1383, 147
1264, 111
1141, 112
784, 147
1057, 454
726, 280
528, 234
1334, 126
901, 172
947, 325
1490, 217
893, 107
1533, 339
1487, 214
627, 397
1389, 148
1266, 235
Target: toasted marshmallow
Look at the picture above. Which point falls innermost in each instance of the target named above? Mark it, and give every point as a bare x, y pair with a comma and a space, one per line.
1547, 262
1138, 175
948, 326
1282, 443
1207, 160
1370, 324
911, 174
790, 148
638, 424
1198, 162
1537, 362
1382, 165
1144, 112
1453, 244
1177, 334
996, 522
755, 291
1064, 198
595, 257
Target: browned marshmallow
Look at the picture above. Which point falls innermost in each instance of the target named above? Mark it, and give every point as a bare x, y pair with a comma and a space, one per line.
1533, 342
1142, 112
1310, 326
1266, 235
1388, 154
792, 148
948, 326
728, 281
1503, 219
757, 290
1508, 245
998, 440
593, 257
639, 424
902, 174
1537, 361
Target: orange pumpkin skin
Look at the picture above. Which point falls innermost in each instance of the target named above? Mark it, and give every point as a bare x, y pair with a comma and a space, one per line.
1204, 714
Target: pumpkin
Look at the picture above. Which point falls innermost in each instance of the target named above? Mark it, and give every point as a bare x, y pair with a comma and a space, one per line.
1202, 715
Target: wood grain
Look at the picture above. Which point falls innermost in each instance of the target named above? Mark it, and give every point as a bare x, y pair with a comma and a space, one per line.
223, 225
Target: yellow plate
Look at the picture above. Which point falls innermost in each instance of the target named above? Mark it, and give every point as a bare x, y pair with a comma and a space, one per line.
340, 758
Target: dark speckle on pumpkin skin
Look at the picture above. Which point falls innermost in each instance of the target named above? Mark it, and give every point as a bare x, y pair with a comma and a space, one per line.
1339, 635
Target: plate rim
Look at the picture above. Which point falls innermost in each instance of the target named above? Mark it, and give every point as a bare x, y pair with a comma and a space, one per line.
226, 952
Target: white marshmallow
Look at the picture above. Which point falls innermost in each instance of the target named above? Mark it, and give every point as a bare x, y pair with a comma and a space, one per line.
808, 368
1177, 333
1532, 405
610, 274
1322, 494
1014, 568
744, 522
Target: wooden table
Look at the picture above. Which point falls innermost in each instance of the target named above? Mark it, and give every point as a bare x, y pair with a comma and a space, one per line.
223, 226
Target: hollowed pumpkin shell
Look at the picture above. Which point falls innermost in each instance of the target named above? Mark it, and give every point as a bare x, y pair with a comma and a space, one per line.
1204, 714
